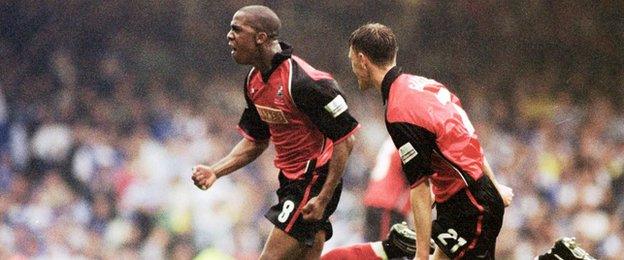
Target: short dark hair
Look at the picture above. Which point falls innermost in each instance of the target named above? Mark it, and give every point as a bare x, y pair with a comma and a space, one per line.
375, 40
263, 19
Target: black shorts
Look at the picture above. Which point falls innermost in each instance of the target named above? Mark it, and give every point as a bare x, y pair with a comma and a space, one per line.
468, 223
293, 195
378, 222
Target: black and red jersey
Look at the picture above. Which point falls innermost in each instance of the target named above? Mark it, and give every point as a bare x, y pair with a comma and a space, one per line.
432, 132
299, 108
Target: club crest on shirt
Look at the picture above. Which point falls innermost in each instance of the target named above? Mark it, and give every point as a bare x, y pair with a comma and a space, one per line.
271, 115
279, 91
279, 97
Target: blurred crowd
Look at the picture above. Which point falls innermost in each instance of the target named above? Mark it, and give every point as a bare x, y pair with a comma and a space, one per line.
106, 105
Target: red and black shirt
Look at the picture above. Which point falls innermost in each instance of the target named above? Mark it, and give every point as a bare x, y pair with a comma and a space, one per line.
432, 132
300, 109
387, 187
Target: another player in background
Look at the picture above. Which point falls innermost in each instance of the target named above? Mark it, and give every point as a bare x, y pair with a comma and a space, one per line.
302, 111
387, 194
438, 148
387, 201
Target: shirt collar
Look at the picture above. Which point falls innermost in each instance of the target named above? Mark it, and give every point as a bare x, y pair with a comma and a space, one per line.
278, 58
387, 81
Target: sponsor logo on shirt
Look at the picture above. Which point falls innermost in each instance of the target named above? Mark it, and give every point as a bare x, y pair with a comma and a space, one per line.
336, 106
271, 115
407, 152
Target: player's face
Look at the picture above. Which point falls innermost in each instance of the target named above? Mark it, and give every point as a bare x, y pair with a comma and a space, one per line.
242, 40
359, 69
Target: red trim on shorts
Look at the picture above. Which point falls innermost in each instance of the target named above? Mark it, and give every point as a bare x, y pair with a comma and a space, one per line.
384, 224
306, 196
479, 222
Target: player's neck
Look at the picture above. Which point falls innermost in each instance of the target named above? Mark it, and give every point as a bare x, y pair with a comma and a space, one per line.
378, 73
266, 56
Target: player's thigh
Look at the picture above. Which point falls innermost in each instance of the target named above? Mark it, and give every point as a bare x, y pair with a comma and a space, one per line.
469, 222
314, 252
457, 228
280, 245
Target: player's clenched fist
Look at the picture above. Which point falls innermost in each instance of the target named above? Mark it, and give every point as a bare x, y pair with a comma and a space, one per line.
203, 176
314, 209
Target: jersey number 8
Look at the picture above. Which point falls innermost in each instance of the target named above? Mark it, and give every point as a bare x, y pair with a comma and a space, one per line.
287, 208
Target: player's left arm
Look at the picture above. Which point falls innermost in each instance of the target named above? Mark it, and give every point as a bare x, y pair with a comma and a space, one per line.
326, 107
505, 191
315, 208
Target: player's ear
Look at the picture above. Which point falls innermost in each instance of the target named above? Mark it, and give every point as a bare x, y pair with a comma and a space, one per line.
363, 59
261, 38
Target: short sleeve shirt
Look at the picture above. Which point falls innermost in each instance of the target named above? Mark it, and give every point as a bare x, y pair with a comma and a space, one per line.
432, 133
300, 109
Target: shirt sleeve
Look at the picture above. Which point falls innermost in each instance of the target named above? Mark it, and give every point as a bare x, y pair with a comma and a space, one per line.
250, 124
415, 145
323, 103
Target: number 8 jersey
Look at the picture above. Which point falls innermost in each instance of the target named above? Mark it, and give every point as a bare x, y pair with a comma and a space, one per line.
434, 136
300, 109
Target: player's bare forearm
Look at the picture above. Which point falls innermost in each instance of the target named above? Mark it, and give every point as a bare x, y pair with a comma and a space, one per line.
242, 154
315, 208
421, 207
505, 192
488, 171
337, 165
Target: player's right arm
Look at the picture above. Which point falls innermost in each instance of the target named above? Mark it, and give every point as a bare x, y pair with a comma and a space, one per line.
242, 154
256, 139
325, 106
421, 207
